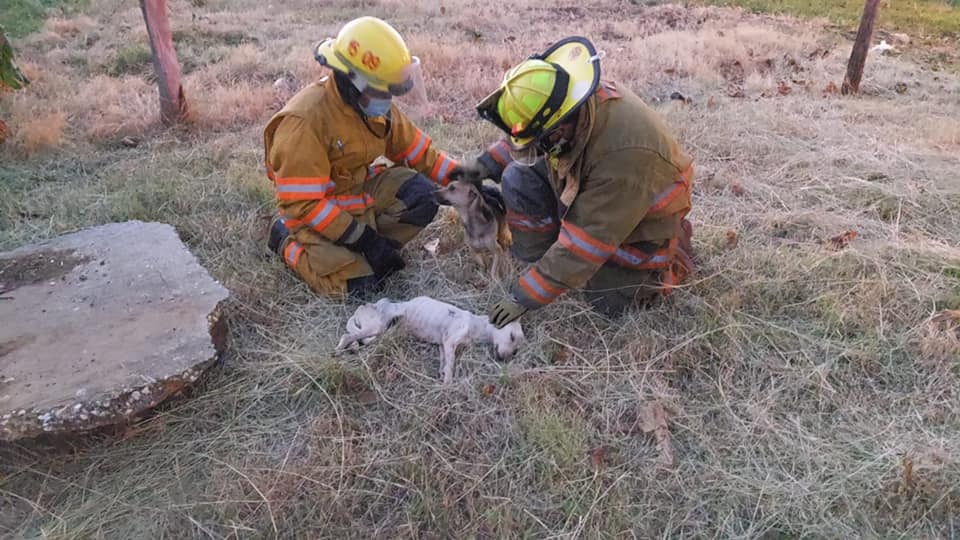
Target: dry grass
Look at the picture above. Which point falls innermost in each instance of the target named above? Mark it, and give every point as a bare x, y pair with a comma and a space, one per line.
810, 391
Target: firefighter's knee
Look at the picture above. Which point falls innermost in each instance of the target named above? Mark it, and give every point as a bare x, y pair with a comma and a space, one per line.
531, 210
417, 195
527, 189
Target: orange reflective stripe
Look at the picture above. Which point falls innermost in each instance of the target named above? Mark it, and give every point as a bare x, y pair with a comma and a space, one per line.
321, 216
500, 152
304, 180
441, 169
538, 277
669, 282
292, 253
535, 287
531, 293
417, 149
579, 242
631, 257
353, 202
607, 90
303, 188
667, 196
523, 222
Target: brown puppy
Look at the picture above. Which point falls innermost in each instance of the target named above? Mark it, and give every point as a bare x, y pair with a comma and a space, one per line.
484, 221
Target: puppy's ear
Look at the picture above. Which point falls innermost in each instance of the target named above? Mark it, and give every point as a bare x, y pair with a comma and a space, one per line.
486, 211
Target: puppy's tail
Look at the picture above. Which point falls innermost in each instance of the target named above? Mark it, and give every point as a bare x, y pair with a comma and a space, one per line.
504, 237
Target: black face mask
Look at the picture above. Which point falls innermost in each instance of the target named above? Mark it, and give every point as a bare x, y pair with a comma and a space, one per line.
348, 92
561, 146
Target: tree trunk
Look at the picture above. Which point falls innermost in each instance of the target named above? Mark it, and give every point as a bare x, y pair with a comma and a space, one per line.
173, 104
858, 57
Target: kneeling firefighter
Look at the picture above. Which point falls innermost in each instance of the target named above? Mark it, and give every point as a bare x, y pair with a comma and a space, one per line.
596, 187
343, 219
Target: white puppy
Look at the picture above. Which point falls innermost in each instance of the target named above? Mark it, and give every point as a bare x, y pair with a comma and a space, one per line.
432, 321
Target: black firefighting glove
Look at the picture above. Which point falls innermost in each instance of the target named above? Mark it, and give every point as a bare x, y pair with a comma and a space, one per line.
381, 252
473, 172
494, 199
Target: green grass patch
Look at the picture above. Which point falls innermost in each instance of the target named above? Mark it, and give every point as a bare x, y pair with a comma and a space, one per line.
22, 17
918, 17
130, 60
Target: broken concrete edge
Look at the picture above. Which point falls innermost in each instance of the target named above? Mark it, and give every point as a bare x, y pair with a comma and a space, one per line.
92, 414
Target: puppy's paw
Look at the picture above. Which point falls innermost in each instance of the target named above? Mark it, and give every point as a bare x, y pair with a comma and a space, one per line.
345, 342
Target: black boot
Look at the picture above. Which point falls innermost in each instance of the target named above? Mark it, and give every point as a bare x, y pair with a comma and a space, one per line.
278, 234
364, 288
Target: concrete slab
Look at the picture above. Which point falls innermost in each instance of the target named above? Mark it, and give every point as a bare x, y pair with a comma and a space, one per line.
99, 325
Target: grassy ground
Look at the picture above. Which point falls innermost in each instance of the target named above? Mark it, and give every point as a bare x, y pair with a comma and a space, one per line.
809, 390
919, 17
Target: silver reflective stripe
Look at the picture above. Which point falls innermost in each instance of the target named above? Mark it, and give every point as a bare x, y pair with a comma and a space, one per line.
535, 286
666, 193
421, 141
327, 209
292, 251
443, 168
584, 245
304, 188
632, 259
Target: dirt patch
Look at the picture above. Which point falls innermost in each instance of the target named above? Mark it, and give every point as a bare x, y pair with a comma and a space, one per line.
7, 347
37, 267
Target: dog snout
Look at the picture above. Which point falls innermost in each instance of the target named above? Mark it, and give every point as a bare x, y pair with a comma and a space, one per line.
440, 196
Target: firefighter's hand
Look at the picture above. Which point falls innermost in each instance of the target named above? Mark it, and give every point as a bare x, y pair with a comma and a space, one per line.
381, 252
505, 312
473, 172
494, 199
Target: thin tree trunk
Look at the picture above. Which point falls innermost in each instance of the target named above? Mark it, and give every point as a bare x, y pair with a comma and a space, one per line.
858, 57
173, 104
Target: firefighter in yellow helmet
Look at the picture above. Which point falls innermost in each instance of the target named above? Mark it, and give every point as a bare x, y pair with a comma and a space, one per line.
344, 214
596, 188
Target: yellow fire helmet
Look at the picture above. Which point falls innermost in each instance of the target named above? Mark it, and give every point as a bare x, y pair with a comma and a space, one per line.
542, 91
372, 53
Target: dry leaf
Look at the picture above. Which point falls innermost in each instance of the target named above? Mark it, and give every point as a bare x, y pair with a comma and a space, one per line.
831, 89
367, 397
843, 240
598, 457
947, 315
560, 356
783, 88
488, 389
432, 246
732, 239
654, 418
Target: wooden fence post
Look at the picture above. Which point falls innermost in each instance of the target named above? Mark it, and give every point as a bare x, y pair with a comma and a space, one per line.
173, 103
858, 57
